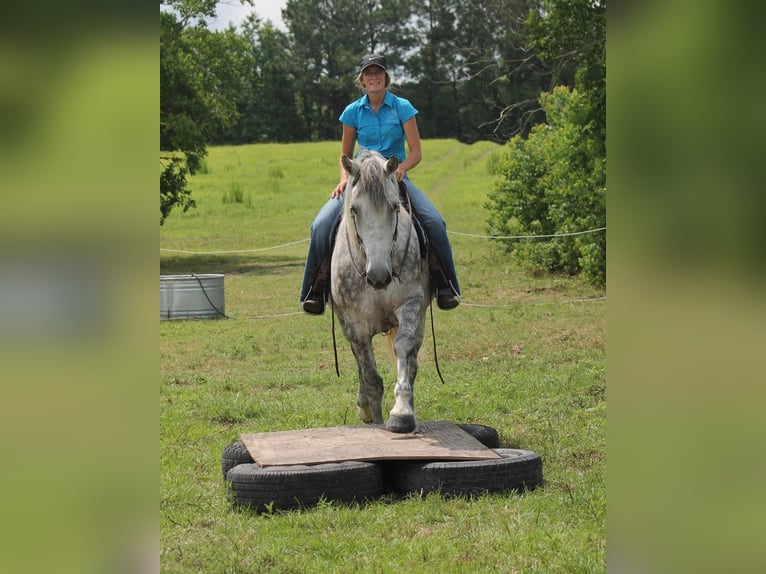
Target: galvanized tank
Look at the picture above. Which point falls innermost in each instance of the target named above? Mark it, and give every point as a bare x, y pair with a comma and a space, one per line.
192, 296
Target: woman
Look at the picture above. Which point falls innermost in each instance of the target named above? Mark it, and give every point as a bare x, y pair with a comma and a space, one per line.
379, 121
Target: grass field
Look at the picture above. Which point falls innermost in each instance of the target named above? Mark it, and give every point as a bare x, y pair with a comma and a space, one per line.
523, 354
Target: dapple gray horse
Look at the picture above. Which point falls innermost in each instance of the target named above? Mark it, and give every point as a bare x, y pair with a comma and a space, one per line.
379, 284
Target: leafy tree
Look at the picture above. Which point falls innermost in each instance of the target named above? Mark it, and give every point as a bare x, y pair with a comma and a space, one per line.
267, 108
571, 34
192, 11
200, 82
554, 181
501, 78
475, 76
326, 46
182, 111
435, 67
219, 60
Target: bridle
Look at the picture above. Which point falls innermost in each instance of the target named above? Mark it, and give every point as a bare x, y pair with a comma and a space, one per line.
362, 273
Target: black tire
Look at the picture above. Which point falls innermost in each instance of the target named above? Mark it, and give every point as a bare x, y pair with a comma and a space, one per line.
234, 454
516, 470
302, 486
484, 434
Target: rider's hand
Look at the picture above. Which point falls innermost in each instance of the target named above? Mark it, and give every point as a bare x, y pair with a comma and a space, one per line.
339, 189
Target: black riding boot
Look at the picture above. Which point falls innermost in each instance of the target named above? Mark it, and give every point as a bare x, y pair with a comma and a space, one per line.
447, 296
314, 302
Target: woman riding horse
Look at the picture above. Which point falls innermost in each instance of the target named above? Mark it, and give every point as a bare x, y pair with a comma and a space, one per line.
379, 121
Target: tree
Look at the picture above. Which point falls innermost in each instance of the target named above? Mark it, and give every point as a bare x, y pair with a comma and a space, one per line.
571, 34
200, 82
554, 181
434, 67
273, 105
182, 111
326, 46
474, 74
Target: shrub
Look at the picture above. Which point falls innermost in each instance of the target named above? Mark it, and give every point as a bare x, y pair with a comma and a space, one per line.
554, 182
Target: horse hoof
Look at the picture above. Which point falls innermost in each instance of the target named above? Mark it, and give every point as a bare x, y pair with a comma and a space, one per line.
401, 424
365, 414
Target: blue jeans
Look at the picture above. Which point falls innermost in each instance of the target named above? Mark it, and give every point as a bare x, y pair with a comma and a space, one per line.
432, 222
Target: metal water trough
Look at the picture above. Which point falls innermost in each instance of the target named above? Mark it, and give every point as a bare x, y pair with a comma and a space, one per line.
192, 296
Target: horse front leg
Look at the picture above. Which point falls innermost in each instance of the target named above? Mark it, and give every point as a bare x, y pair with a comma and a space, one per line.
369, 396
406, 346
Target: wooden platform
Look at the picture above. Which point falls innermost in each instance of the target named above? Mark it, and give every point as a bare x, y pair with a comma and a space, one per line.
435, 440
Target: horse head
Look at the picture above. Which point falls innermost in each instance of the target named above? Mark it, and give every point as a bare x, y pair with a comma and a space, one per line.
371, 209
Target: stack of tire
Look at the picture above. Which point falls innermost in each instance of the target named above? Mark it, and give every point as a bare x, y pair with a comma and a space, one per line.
265, 489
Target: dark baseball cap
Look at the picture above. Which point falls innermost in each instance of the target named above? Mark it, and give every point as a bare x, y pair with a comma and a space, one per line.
373, 60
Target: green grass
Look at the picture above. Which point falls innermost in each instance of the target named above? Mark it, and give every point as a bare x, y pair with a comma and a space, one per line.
523, 354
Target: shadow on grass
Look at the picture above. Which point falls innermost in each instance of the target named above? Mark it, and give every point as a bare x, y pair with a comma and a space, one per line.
227, 264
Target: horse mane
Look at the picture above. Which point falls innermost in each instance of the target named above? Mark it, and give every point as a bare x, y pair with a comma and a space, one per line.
372, 176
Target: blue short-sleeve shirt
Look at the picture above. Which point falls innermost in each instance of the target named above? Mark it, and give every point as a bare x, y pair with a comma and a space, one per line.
382, 132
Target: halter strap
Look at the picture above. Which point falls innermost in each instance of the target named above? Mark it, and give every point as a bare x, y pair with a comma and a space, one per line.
393, 243
351, 251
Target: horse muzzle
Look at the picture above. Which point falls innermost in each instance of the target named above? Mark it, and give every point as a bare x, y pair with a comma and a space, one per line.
379, 278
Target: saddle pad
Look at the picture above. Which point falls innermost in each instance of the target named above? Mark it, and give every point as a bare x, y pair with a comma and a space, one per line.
435, 440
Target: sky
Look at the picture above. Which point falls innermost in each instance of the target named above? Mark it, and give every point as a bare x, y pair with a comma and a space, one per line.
234, 12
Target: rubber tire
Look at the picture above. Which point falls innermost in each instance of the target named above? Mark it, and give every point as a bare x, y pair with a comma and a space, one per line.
484, 434
516, 470
234, 454
302, 486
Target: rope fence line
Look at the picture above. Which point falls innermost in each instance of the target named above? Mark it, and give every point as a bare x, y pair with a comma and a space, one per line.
449, 232
464, 304
528, 236
235, 251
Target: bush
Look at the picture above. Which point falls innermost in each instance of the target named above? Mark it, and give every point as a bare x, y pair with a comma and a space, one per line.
554, 182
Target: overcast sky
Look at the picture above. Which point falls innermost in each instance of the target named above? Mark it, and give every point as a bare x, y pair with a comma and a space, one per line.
234, 12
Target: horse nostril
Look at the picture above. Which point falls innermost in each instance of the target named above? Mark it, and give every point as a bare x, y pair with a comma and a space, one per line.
380, 282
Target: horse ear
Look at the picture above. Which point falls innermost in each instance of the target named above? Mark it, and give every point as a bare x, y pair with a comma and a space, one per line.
349, 166
392, 164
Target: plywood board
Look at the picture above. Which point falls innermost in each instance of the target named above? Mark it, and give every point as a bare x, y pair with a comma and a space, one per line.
435, 440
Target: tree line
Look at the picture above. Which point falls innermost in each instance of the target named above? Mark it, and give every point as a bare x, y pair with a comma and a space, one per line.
475, 70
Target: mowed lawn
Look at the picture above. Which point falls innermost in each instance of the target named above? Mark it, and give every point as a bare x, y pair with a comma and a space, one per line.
523, 354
